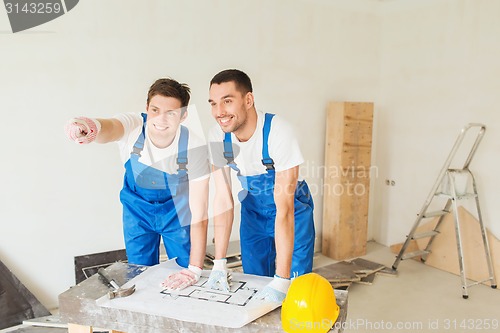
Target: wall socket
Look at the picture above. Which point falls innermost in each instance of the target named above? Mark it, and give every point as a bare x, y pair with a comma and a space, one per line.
390, 182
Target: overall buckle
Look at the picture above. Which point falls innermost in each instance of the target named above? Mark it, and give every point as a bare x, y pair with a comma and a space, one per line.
269, 163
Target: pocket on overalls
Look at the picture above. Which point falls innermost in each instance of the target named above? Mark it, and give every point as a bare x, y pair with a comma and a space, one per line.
303, 195
242, 195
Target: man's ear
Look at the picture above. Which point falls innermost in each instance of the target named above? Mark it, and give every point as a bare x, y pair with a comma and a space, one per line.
184, 113
249, 101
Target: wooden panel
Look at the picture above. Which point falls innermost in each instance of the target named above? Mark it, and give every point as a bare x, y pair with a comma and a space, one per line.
356, 110
444, 253
358, 132
75, 328
346, 179
353, 211
355, 157
339, 272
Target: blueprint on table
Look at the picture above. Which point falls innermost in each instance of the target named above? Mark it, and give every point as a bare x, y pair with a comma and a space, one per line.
198, 304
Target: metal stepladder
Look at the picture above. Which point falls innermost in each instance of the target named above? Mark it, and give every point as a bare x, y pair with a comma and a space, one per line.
446, 187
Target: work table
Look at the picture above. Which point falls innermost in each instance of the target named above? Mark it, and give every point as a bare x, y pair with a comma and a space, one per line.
78, 307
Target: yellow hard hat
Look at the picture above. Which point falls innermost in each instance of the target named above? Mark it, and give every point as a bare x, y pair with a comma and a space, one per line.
310, 305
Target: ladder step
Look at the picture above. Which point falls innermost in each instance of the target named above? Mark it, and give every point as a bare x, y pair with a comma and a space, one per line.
414, 254
431, 233
435, 213
459, 197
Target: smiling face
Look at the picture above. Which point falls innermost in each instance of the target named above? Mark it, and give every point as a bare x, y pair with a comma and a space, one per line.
164, 117
232, 109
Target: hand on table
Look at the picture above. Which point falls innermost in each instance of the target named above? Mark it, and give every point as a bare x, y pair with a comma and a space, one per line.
274, 291
183, 279
220, 277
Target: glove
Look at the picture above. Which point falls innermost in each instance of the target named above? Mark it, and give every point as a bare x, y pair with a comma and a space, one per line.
82, 130
274, 291
220, 277
180, 280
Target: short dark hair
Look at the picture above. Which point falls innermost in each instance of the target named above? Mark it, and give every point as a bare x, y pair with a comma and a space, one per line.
170, 88
240, 79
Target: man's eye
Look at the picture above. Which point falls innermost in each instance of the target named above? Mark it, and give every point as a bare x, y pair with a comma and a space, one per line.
227, 101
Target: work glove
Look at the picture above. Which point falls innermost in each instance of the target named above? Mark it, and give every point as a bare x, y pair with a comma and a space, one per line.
183, 279
82, 130
274, 291
220, 277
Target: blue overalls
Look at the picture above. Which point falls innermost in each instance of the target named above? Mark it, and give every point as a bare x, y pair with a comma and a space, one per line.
156, 204
258, 214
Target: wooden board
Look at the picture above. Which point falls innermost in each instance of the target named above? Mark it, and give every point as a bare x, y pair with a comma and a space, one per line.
88, 264
367, 266
444, 253
387, 271
346, 179
74, 328
341, 285
412, 247
342, 271
368, 280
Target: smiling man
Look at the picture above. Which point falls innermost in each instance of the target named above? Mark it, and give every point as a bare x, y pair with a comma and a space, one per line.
160, 198
277, 227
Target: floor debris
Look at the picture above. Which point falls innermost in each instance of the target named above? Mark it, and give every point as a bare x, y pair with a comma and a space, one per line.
343, 273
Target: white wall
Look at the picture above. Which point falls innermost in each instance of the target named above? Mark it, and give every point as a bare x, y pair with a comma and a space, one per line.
430, 66
439, 70
60, 200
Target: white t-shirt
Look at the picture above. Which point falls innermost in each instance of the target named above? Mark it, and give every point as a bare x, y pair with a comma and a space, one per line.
282, 145
164, 159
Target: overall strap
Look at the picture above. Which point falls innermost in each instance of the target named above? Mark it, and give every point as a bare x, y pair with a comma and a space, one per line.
139, 144
182, 158
266, 159
228, 148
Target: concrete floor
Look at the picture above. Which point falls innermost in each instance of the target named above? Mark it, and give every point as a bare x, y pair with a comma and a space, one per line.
419, 299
